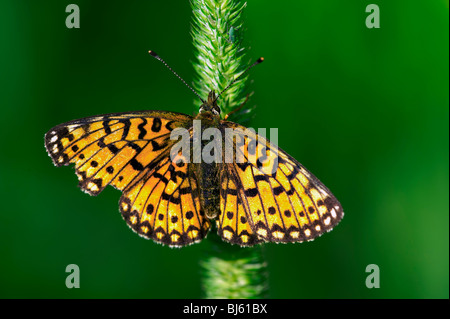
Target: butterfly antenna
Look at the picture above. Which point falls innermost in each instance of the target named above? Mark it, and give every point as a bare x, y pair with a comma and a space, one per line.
261, 59
156, 56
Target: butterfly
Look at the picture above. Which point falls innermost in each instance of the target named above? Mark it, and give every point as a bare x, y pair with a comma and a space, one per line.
261, 195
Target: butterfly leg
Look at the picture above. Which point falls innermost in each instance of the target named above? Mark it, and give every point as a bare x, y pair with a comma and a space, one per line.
238, 108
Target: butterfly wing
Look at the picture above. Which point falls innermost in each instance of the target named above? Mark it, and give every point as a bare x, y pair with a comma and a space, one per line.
113, 148
281, 200
131, 151
164, 205
233, 223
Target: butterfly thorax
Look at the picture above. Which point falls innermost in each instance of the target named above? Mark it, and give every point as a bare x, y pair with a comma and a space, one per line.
209, 110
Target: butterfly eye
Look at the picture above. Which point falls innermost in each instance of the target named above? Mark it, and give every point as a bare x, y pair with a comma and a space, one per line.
215, 110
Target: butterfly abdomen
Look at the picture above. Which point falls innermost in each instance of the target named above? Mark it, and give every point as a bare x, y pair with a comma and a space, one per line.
207, 171
208, 179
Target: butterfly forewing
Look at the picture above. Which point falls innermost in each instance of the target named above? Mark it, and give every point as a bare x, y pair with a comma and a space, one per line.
112, 149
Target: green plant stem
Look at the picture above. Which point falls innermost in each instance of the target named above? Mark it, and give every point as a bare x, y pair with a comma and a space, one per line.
217, 37
233, 272
227, 271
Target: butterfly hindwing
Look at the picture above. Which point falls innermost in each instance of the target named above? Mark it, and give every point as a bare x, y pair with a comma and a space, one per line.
164, 205
232, 223
283, 202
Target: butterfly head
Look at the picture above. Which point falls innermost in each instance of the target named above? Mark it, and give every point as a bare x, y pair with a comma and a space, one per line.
211, 105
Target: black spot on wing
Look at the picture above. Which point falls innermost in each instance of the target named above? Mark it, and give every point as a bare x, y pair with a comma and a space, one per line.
156, 125
134, 146
126, 128
185, 190
243, 166
251, 192
113, 148
278, 190
189, 215
261, 178
169, 126
161, 177
106, 127
101, 142
142, 130
136, 165
156, 146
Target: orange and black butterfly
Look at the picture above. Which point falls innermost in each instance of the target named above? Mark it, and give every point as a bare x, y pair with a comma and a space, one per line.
266, 197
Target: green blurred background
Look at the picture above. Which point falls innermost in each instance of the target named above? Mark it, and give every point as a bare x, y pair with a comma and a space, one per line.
366, 110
